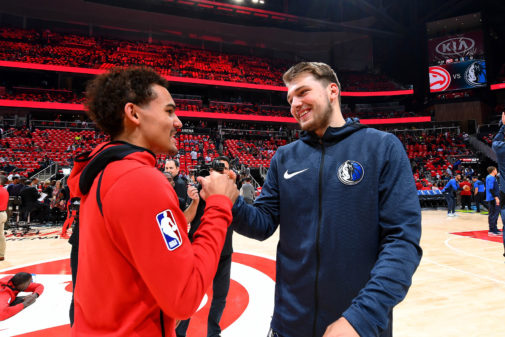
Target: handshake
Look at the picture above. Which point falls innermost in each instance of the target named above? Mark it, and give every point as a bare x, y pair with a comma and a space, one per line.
219, 183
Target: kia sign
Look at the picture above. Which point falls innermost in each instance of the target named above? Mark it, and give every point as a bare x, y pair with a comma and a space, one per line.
467, 45
457, 76
457, 46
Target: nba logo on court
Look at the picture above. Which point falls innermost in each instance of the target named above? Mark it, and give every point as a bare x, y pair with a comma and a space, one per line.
169, 229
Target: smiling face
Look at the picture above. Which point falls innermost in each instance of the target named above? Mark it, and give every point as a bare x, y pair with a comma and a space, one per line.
310, 103
158, 122
171, 168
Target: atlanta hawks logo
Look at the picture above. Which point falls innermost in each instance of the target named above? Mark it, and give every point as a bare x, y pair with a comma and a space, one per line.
350, 172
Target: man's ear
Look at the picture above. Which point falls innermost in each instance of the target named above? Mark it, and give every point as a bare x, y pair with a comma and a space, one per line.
131, 113
333, 92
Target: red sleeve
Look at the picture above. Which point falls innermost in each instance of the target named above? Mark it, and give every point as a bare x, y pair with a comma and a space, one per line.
35, 288
4, 198
5, 310
178, 278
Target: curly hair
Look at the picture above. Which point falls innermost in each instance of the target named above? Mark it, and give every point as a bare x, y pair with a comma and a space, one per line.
107, 94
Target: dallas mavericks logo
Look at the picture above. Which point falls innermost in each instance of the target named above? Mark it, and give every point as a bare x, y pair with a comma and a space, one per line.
169, 229
350, 172
475, 74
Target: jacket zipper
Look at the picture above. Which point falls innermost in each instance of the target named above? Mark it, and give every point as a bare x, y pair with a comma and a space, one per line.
318, 253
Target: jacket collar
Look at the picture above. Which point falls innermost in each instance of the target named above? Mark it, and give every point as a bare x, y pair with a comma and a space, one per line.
333, 135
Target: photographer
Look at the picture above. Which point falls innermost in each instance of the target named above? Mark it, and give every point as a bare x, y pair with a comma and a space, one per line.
221, 283
10, 287
180, 185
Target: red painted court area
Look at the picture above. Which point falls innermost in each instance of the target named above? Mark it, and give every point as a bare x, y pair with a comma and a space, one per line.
237, 301
482, 235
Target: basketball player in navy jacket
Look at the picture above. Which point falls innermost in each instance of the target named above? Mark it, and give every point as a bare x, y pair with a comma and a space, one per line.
350, 222
499, 148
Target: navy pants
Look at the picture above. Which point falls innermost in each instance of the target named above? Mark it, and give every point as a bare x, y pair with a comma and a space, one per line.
479, 200
220, 287
494, 212
451, 203
502, 213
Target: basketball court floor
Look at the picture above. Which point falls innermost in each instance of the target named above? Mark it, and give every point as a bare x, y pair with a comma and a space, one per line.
458, 290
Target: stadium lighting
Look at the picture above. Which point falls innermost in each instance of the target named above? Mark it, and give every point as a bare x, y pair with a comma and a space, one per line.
254, 1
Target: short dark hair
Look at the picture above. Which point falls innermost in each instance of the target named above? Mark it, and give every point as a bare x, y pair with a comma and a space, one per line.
491, 169
3, 179
223, 158
108, 93
20, 278
176, 162
321, 71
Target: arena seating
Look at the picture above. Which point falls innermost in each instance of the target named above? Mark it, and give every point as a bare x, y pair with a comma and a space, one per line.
429, 153
168, 58
202, 145
43, 95
354, 81
26, 152
185, 104
253, 153
378, 110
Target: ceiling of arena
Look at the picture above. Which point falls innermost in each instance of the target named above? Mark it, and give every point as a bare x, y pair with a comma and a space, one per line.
284, 25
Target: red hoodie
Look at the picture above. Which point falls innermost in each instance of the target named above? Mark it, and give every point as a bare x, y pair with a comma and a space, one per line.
7, 295
136, 263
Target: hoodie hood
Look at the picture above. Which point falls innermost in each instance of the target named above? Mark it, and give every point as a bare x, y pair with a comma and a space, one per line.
88, 165
333, 134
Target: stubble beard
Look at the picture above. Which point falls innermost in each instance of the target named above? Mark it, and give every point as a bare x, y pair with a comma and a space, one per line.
320, 121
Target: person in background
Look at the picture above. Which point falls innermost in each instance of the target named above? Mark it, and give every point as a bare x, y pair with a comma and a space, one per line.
10, 287
180, 184
466, 194
493, 200
479, 193
498, 146
4, 201
221, 281
247, 191
449, 192
192, 192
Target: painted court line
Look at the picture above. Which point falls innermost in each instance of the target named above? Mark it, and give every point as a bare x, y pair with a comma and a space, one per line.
457, 250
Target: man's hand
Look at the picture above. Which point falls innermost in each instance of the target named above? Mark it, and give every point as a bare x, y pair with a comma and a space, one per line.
503, 118
217, 183
340, 328
193, 193
29, 300
497, 201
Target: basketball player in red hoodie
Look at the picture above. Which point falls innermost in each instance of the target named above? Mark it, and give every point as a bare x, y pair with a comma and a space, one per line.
138, 273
